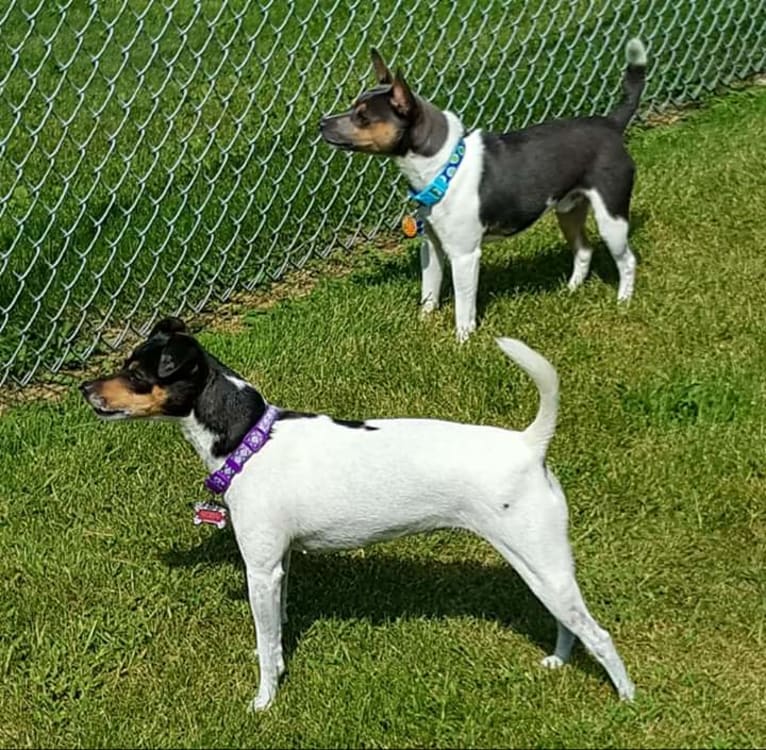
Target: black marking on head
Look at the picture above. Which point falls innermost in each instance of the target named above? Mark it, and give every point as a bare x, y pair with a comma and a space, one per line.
171, 375
162, 377
505, 505
169, 326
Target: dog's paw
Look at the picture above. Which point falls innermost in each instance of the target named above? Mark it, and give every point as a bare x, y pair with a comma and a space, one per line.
552, 662
427, 307
627, 691
575, 281
260, 703
464, 333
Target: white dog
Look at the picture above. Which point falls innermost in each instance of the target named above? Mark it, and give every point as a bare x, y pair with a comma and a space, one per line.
322, 484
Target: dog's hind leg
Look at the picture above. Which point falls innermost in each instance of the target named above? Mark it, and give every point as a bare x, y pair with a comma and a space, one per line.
550, 575
565, 639
572, 223
432, 268
283, 591
614, 231
540, 553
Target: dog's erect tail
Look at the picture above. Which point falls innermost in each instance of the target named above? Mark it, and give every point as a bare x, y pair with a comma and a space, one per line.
632, 83
540, 432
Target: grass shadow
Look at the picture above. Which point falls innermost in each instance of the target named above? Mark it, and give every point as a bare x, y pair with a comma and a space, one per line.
548, 270
383, 588
543, 271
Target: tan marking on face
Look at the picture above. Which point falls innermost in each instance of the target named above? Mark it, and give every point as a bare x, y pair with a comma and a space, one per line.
378, 137
117, 395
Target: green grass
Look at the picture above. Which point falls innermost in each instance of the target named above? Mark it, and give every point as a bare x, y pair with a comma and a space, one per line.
141, 142
124, 625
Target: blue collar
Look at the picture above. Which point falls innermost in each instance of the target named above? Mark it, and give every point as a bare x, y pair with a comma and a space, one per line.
432, 193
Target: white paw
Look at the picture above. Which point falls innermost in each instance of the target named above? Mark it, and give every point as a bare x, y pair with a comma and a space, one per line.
427, 307
464, 333
553, 662
260, 703
576, 281
624, 295
627, 691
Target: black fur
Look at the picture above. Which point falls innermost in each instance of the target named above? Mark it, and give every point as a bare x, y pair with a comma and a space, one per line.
524, 169
356, 424
196, 382
227, 410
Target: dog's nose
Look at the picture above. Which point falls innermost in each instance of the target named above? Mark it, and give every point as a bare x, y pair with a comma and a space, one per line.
85, 388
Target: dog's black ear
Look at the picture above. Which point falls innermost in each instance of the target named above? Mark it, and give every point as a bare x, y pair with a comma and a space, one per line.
402, 98
180, 353
382, 73
169, 326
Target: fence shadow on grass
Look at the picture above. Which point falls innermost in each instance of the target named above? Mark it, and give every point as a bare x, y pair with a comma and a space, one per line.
383, 587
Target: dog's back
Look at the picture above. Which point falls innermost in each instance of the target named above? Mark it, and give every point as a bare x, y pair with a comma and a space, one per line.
352, 485
528, 171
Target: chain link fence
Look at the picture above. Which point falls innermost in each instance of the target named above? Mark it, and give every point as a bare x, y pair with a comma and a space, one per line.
158, 155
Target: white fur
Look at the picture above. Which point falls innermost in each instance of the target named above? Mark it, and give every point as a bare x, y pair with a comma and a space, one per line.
202, 440
454, 228
238, 382
635, 52
614, 232
317, 485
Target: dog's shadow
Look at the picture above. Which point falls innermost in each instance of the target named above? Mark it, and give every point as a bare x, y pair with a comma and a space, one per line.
544, 271
548, 270
382, 588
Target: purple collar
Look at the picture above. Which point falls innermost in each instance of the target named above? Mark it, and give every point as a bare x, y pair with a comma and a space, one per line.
218, 482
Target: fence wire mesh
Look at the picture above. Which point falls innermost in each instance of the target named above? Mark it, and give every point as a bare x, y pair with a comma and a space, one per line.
157, 155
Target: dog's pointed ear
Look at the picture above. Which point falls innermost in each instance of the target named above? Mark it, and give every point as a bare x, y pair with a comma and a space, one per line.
382, 73
402, 98
180, 353
168, 326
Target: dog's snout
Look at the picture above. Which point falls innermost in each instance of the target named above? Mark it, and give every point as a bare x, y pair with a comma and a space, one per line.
86, 388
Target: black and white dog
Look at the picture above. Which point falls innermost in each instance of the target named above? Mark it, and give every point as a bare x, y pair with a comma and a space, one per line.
498, 184
320, 483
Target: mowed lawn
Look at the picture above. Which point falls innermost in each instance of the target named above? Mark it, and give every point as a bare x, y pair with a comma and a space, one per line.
122, 624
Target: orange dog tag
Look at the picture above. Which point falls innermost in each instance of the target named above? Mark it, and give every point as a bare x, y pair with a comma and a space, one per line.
409, 226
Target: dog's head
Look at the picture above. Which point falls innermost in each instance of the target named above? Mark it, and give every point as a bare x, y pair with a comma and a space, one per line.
380, 120
162, 378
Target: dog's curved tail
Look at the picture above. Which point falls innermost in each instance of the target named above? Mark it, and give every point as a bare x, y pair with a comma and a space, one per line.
538, 435
632, 83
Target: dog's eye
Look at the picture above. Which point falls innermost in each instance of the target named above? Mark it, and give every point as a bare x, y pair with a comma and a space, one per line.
137, 378
361, 118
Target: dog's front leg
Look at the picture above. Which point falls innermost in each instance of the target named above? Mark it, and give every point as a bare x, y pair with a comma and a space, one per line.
263, 586
465, 280
432, 267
